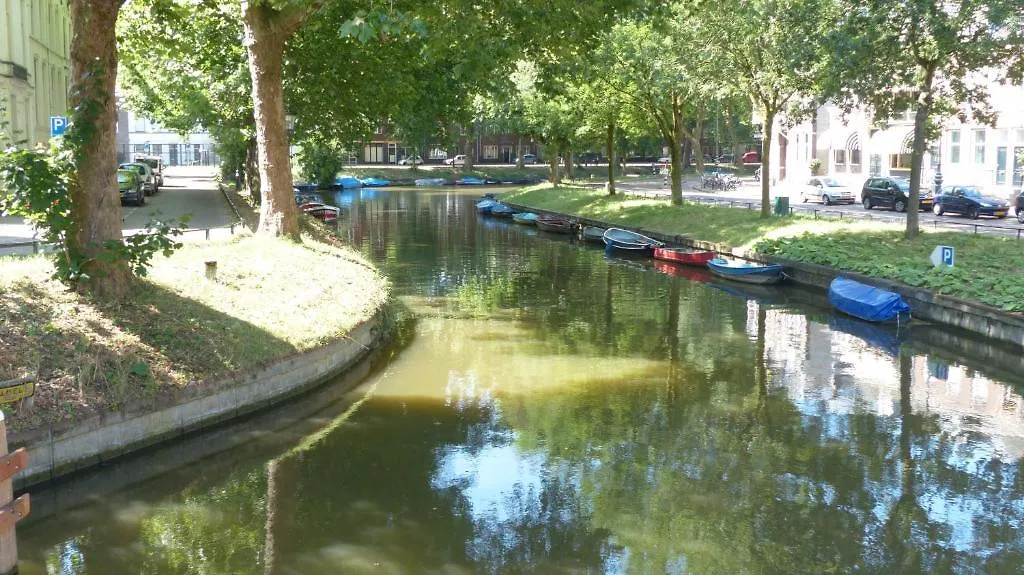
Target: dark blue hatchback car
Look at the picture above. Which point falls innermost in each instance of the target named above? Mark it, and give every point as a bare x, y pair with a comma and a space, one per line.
969, 201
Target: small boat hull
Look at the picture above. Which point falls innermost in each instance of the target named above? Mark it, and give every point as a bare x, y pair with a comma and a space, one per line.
500, 210
867, 302
554, 225
484, 206
430, 182
746, 272
347, 182
686, 256
592, 234
627, 241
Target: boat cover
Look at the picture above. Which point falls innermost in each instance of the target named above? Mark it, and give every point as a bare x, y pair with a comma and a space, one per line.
348, 182
866, 302
375, 182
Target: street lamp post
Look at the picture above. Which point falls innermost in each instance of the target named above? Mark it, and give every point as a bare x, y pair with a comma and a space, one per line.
938, 168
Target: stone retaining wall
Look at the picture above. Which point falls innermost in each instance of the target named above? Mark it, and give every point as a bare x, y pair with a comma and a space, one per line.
924, 304
53, 453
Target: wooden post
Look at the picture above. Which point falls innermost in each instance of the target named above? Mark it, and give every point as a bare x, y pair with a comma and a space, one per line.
10, 511
211, 270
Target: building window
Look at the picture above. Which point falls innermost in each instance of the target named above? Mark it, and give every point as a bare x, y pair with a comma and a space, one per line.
140, 148
490, 152
157, 149
840, 160
979, 146
954, 146
855, 161
1001, 165
899, 161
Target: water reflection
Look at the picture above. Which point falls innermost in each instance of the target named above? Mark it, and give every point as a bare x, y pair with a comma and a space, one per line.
559, 411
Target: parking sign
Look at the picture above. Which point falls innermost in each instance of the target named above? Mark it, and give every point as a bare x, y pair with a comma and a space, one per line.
942, 256
57, 125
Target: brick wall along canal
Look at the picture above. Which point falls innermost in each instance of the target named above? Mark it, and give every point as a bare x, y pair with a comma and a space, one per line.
557, 410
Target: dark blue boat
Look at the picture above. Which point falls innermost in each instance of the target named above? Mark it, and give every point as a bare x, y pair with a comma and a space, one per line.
866, 302
625, 240
469, 181
747, 272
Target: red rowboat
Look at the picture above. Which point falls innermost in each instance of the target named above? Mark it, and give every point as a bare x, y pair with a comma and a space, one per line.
687, 256
320, 211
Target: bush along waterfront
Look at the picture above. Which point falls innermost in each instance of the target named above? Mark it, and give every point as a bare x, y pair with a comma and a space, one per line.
177, 330
984, 273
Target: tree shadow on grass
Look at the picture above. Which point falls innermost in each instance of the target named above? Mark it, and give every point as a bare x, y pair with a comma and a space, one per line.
153, 350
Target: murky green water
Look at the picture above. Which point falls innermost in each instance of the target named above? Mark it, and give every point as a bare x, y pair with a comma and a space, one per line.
555, 411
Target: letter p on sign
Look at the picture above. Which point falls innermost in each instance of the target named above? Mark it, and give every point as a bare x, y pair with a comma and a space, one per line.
943, 256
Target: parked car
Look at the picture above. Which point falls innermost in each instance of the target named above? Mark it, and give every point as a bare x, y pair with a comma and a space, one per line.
969, 201
156, 163
149, 184
410, 161
827, 191
587, 158
751, 157
892, 193
529, 158
459, 160
130, 187
1020, 207
726, 158
665, 160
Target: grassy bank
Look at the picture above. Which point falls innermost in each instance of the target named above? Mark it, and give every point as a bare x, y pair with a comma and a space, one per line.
986, 268
178, 331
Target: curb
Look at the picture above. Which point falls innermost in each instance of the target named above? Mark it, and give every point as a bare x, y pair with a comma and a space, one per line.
109, 436
973, 317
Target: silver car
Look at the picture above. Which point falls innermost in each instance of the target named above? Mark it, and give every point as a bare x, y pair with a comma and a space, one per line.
827, 191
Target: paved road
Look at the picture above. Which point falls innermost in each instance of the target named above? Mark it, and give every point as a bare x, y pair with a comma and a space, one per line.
186, 190
748, 195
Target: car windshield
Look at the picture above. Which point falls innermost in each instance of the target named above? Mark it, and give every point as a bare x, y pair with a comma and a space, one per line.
903, 185
138, 168
831, 183
123, 178
150, 163
971, 192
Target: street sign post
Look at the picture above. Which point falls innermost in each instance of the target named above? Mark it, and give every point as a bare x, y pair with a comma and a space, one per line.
57, 125
943, 256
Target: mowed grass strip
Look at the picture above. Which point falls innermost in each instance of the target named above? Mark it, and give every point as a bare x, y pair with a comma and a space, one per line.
177, 331
987, 267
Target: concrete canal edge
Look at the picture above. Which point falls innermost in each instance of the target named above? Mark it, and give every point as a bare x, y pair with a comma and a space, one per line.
56, 452
973, 317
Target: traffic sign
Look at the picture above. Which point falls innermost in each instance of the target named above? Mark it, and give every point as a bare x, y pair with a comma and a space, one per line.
57, 125
942, 256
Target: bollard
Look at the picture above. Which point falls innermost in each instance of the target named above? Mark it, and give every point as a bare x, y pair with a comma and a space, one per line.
211, 270
10, 511
207, 234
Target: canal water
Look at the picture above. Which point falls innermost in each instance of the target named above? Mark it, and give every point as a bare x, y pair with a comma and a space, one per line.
553, 410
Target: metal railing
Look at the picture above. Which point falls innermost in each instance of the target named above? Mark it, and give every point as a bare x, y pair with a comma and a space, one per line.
39, 245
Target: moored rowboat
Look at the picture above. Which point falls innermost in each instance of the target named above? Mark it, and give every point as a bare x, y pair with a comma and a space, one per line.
626, 240
592, 234
553, 224
687, 256
525, 218
744, 271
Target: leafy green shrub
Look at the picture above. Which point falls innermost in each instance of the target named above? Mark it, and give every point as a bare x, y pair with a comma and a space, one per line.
320, 163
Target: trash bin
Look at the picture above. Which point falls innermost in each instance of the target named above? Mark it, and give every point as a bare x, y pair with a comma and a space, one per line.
781, 206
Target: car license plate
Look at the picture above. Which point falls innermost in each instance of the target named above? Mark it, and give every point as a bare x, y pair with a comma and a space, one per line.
1000, 214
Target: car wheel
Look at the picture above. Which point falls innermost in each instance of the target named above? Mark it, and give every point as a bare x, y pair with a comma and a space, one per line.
937, 209
900, 206
867, 203
972, 212
1020, 215
826, 200
141, 201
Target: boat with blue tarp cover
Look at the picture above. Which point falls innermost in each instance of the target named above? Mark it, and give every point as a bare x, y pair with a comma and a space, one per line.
375, 182
484, 206
625, 240
866, 302
347, 182
525, 218
747, 272
430, 182
502, 211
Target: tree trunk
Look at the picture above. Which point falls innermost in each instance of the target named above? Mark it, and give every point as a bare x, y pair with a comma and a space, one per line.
570, 165
556, 177
696, 137
519, 152
766, 151
924, 106
266, 31
470, 151
674, 141
252, 171
610, 143
94, 195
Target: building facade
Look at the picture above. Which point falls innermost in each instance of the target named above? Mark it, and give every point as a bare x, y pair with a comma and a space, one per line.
35, 39
852, 147
139, 135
